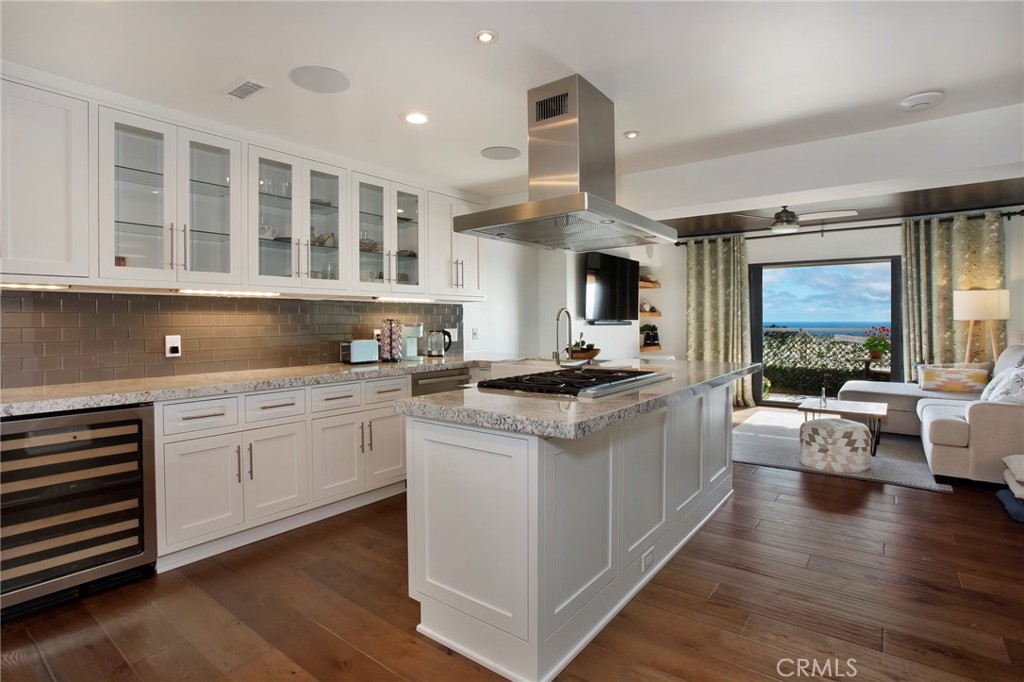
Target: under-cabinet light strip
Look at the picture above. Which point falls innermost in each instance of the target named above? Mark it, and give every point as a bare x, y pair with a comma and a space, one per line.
34, 287
220, 292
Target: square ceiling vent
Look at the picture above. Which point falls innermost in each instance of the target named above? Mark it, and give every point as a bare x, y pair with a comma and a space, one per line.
243, 88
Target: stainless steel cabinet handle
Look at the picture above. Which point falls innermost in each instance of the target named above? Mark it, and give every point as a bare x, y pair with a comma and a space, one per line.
298, 245
184, 248
309, 256
390, 390
238, 457
172, 247
277, 405
438, 380
387, 267
362, 437
207, 415
250, 461
395, 271
455, 273
337, 397
462, 274
371, 433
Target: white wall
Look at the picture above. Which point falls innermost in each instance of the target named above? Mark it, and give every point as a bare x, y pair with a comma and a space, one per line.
505, 322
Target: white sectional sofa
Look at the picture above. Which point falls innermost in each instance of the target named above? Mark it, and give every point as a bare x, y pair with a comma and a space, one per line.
963, 436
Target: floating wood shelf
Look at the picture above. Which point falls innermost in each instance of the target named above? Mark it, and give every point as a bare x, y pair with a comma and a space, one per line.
654, 314
649, 349
650, 285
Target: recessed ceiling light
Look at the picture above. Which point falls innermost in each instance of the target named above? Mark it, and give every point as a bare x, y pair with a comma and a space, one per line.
417, 118
631, 134
486, 37
319, 79
921, 100
500, 153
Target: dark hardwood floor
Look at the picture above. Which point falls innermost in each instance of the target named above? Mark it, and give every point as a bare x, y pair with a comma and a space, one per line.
905, 584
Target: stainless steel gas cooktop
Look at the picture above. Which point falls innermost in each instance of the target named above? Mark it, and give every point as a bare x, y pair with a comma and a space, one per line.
585, 382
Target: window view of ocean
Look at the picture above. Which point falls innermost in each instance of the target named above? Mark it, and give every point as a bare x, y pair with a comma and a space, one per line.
827, 328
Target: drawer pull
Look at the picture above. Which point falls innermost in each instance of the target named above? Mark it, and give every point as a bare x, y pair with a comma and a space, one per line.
438, 380
208, 415
389, 390
338, 397
277, 405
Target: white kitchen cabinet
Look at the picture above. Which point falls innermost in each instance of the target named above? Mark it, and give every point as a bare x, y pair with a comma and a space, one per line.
642, 453
298, 222
338, 449
456, 260
389, 238
45, 169
169, 207
717, 463
276, 476
202, 487
385, 446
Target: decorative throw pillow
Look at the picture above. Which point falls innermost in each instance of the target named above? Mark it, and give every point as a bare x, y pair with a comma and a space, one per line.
1006, 387
954, 379
1015, 463
987, 366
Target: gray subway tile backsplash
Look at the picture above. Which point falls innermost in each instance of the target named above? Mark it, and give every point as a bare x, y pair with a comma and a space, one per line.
59, 338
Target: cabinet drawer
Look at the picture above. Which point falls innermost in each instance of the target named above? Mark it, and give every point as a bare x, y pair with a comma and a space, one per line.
385, 390
336, 397
274, 405
199, 415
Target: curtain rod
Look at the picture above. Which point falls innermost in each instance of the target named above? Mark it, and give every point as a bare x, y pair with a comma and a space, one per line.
683, 242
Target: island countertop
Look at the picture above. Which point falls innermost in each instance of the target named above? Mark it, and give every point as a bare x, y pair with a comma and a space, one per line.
566, 416
83, 396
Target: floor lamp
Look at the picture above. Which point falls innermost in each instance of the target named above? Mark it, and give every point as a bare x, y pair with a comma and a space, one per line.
984, 305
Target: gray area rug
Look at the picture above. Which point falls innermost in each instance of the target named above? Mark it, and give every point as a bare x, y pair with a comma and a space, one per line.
772, 438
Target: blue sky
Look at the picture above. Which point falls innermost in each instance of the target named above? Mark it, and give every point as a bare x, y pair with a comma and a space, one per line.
858, 292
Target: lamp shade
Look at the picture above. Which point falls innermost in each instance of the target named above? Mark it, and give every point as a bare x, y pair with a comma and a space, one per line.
981, 304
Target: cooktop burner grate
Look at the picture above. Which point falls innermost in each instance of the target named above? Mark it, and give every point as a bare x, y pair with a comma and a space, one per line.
576, 381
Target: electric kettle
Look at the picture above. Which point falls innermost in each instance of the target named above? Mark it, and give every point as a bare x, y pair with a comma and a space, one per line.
438, 341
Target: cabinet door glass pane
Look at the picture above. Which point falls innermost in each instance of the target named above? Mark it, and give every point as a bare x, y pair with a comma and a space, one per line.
276, 240
371, 233
324, 225
407, 264
140, 235
209, 226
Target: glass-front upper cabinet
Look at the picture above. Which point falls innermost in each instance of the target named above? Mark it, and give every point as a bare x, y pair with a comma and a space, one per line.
168, 206
298, 213
390, 236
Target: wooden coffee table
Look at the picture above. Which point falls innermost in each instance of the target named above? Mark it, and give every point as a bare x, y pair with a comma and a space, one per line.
873, 412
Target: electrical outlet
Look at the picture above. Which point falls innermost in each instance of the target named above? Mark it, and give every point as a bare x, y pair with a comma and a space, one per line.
646, 559
455, 334
475, 334
172, 346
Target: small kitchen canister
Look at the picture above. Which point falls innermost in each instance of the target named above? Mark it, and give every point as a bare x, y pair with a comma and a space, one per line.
391, 341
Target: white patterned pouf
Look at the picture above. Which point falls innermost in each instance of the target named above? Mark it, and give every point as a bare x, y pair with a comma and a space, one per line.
838, 445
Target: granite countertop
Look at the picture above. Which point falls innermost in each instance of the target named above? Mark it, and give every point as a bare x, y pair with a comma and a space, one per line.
15, 402
570, 417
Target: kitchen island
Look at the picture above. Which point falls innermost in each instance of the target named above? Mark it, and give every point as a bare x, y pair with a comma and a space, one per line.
534, 519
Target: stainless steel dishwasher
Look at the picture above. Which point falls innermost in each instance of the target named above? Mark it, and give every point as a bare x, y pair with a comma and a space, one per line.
78, 504
425, 383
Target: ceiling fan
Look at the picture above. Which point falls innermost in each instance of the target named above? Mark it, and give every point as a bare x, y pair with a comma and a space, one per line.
788, 222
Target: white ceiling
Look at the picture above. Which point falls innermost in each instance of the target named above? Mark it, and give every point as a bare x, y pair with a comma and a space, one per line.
699, 80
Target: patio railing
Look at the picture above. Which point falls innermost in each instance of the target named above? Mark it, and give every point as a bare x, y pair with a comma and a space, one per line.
799, 362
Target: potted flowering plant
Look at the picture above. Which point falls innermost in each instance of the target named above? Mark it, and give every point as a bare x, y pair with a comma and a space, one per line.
877, 342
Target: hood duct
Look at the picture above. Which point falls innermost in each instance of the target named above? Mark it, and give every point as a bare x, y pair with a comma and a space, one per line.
572, 179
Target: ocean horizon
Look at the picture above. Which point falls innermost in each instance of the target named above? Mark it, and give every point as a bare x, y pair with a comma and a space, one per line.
824, 327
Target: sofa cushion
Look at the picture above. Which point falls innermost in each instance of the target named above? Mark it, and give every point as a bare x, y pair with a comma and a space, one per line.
945, 425
1006, 387
1012, 356
952, 379
943, 405
1015, 465
899, 396
1016, 488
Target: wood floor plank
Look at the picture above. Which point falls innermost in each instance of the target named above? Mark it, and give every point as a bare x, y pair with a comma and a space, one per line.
959, 660
132, 623
270, 666
74, 647
223, 639
597, 664
701, 610
180, 661
20, 659
405, 653
870, 663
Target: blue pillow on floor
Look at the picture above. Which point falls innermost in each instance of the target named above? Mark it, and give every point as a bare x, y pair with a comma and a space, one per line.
1014, 507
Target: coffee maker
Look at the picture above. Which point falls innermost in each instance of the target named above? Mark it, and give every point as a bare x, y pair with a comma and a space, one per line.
412, 333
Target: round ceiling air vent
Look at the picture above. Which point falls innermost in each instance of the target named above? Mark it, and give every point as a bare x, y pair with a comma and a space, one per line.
921, 100
500, 153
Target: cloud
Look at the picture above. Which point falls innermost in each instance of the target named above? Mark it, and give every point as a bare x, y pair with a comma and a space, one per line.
842, 293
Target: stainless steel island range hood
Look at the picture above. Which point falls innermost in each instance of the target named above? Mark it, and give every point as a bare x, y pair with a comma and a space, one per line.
572, 179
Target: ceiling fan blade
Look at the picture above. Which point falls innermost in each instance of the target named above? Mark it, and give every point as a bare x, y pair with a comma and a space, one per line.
825, 215
747, 215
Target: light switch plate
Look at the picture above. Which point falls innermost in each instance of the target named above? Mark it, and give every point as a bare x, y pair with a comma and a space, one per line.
172, 346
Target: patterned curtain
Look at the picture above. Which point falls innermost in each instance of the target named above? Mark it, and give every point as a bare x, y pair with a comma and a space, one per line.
938, 258
718, 306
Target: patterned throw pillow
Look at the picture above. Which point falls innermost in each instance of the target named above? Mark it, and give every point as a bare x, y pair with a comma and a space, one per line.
987, 366
1006, 387
953, 379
